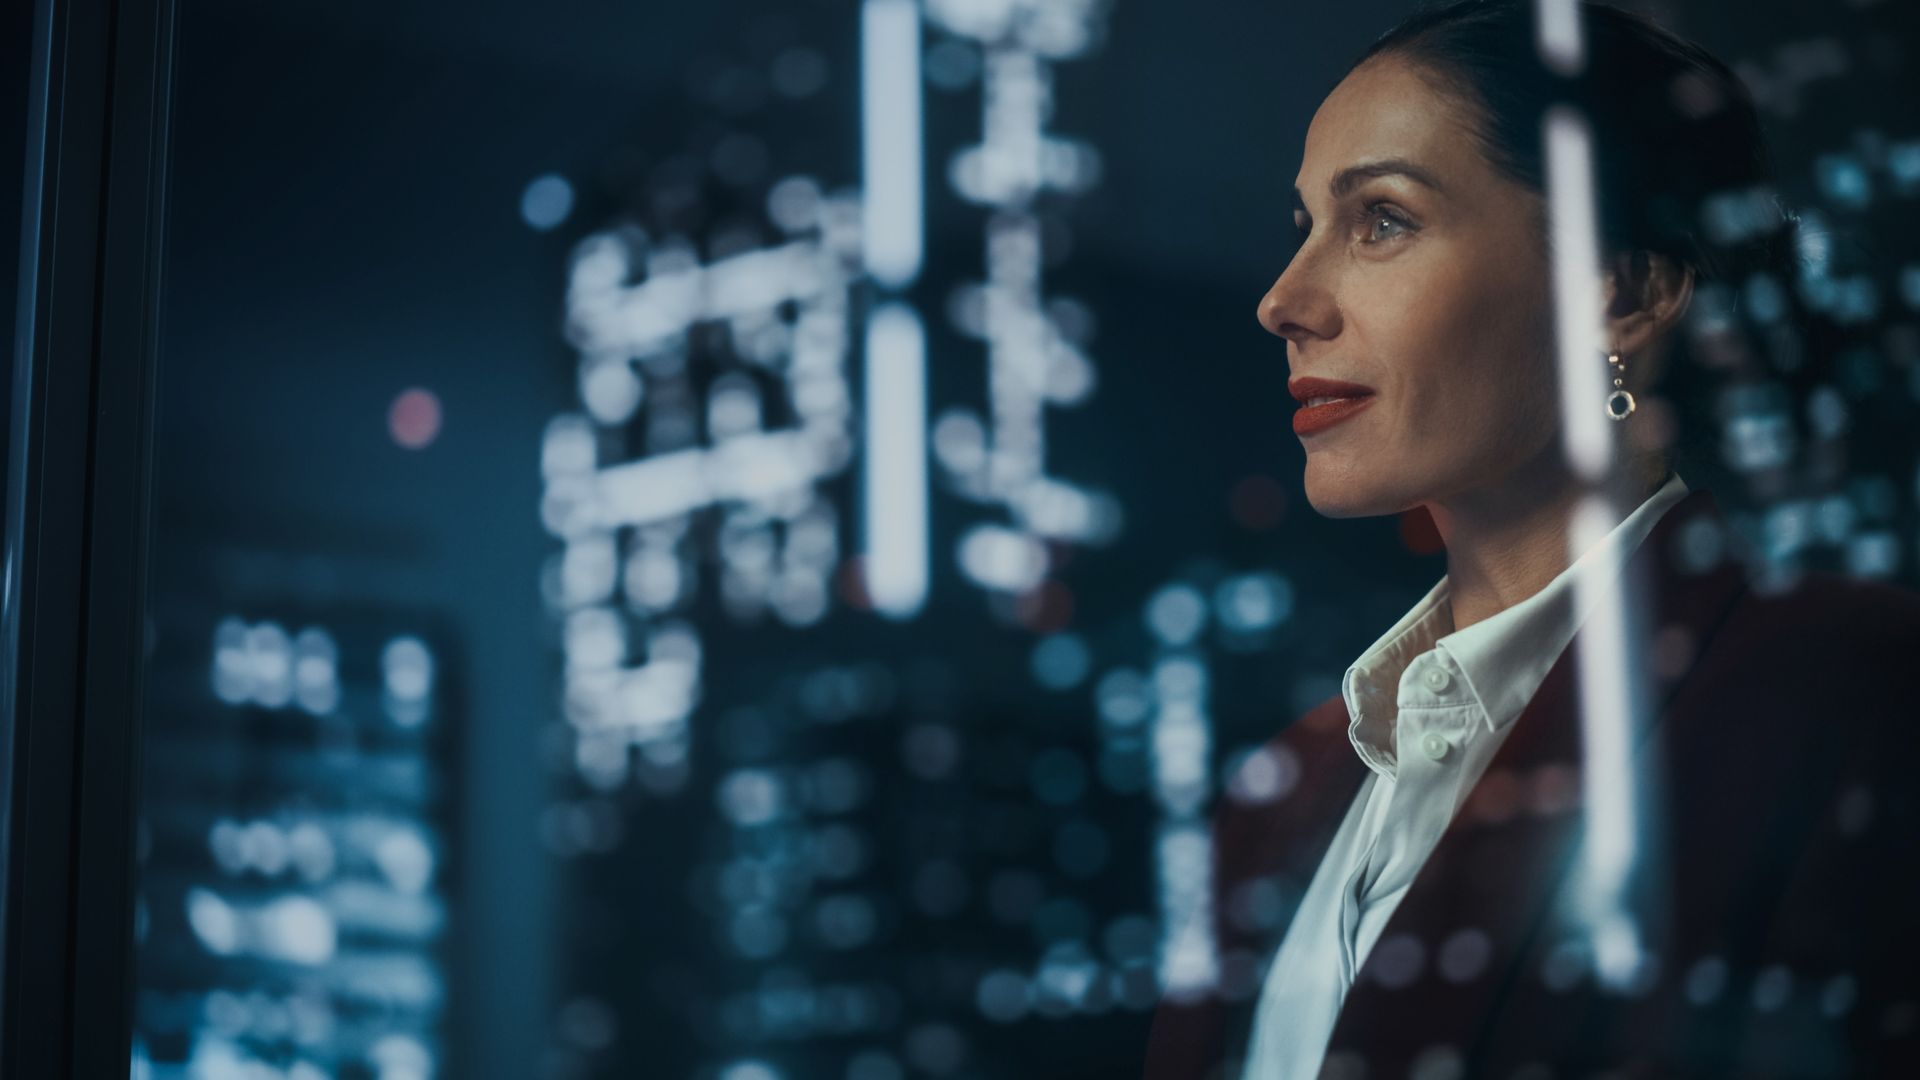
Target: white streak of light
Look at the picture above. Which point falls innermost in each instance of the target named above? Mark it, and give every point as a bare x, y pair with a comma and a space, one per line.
1608, 780
1607, 704
1558, 38
1576, 286
890, 138
896, 461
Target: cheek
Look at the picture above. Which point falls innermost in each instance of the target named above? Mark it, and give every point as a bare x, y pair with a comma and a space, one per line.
1473, 359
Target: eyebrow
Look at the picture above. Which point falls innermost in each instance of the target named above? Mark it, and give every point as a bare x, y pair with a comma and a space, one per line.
1354, 175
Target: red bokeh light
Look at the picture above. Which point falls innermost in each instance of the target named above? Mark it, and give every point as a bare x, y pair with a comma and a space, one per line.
414, 418
1258, 503
1418, 532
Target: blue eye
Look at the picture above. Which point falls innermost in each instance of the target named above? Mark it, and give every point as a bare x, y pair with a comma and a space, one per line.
1377, 214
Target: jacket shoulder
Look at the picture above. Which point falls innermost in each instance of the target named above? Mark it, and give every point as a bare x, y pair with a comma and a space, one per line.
1855, 611
1827, 626
1827, 659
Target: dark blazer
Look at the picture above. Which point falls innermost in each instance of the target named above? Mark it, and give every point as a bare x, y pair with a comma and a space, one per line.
1783, 913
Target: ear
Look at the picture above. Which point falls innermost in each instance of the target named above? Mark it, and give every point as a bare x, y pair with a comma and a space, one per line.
1646, 293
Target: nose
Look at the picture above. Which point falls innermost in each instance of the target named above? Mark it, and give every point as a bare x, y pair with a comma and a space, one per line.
1298, 308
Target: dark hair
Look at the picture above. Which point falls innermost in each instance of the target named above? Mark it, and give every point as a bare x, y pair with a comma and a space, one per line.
1681, 162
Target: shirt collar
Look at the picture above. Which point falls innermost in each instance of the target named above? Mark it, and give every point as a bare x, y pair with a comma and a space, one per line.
1372, 683
1503, 658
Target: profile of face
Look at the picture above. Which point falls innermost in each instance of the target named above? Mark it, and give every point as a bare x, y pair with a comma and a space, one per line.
1423, 275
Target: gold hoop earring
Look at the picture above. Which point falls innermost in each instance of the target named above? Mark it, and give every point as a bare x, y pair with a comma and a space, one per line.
1620, 403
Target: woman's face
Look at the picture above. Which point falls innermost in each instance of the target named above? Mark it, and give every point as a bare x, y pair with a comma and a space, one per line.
1431, 289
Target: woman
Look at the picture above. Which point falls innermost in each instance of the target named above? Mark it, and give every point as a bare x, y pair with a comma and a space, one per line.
1408, 897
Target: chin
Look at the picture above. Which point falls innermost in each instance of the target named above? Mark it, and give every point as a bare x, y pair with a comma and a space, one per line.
1334, 502
1337, 507
1336, 492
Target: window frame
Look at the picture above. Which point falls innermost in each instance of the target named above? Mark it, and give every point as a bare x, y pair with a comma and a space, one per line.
73, 611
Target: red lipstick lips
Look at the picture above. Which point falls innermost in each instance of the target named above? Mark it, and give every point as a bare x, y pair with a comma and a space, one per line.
1346, 399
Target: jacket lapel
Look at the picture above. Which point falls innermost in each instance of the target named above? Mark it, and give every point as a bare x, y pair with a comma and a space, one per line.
1471, 924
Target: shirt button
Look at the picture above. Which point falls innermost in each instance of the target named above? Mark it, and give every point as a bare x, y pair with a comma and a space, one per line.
1438, 680
1434, 745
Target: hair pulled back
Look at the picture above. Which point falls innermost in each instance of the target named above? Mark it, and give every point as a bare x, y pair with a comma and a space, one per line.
1681, 162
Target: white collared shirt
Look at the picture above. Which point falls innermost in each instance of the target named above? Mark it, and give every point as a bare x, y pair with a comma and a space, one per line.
1430, 705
